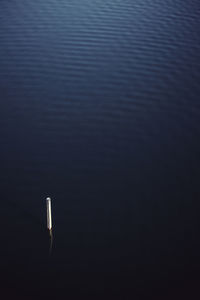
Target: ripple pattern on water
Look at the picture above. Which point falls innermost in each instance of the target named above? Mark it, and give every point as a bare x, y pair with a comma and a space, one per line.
99, 108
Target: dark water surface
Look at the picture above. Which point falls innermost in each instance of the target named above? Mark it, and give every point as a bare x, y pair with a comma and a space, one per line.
99, 109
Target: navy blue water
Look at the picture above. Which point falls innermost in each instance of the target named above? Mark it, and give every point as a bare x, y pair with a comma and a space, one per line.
99, 109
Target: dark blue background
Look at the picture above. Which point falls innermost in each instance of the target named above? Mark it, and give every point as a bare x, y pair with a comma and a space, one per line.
99, 109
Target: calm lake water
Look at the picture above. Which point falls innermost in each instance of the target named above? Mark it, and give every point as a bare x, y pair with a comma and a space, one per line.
100, 110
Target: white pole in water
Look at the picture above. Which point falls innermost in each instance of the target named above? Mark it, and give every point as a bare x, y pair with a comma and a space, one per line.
49, 218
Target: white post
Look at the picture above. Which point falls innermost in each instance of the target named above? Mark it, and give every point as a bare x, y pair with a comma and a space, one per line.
49, 218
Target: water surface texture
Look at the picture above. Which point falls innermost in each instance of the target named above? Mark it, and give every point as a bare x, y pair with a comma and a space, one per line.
99, 109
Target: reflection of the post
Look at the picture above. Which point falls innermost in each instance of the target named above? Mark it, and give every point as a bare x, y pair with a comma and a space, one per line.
51, 241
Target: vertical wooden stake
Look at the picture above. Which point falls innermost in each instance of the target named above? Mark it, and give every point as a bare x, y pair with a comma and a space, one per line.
49, 218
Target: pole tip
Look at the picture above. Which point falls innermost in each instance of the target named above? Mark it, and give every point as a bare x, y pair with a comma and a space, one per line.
48, 199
